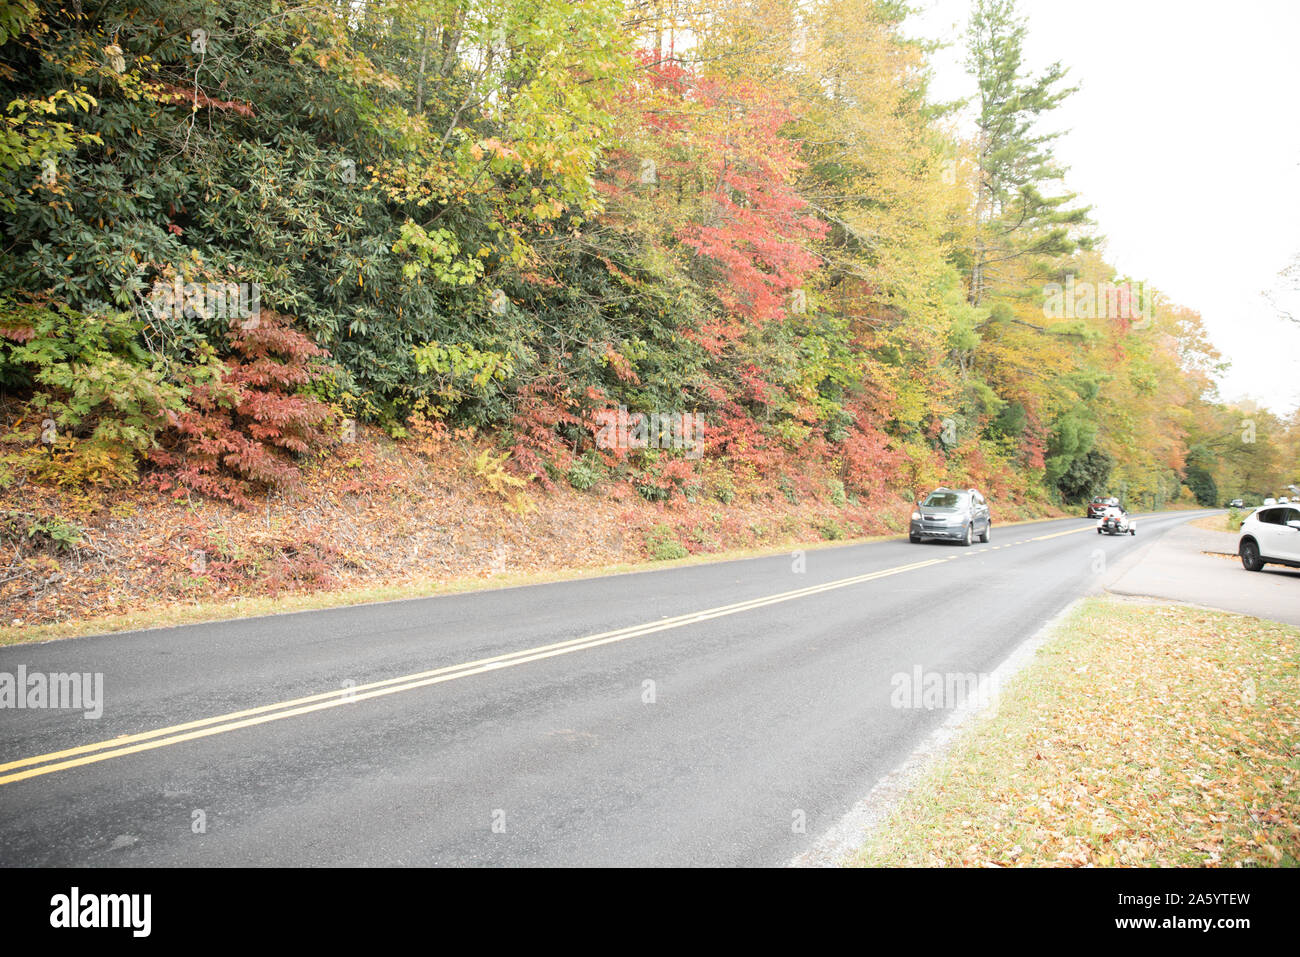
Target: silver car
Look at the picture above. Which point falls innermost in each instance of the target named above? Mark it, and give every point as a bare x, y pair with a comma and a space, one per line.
955, 515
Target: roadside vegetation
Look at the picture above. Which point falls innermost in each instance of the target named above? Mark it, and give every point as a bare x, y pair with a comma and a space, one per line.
376, 519
256, 255
1143, 734
1230, 522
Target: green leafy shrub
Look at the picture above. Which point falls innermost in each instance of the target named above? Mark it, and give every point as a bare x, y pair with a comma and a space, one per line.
838, 496
788, 490
831, 530
704, 537
52, 532
663, 546
98, 399
585, 473
651, 491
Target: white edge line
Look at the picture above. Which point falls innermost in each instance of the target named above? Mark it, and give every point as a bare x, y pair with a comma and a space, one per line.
851, 831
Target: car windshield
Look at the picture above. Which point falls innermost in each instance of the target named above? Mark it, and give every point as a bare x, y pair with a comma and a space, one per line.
946, 500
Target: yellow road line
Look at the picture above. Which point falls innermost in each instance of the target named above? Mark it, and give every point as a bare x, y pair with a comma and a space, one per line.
191, 730
1073, 531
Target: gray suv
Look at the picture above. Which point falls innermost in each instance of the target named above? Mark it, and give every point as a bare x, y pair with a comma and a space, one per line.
957, 515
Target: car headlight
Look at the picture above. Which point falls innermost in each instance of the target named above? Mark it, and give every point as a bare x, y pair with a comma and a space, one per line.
916, 516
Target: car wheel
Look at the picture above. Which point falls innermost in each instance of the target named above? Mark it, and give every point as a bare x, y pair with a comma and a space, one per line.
988, 530
1132, 531
1099, 531
1251, 560
914, 539
970, 536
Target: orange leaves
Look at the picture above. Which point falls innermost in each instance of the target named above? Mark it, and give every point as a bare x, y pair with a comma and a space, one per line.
493, 147
194, 98
19, 332
241, 429
622, 367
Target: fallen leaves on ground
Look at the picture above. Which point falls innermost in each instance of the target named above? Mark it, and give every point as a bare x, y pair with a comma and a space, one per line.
370, 513
1144, 735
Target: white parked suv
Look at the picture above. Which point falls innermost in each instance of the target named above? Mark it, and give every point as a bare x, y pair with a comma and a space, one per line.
1270, 534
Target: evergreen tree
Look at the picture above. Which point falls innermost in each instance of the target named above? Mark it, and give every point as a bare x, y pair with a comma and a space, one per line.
1016, 216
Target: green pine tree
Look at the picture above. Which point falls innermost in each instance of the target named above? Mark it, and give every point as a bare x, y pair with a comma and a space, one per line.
1017, 215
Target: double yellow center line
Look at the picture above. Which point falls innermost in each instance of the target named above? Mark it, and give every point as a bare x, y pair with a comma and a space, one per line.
191, 730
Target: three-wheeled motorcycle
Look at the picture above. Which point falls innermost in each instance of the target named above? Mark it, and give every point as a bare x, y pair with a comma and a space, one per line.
1116, 521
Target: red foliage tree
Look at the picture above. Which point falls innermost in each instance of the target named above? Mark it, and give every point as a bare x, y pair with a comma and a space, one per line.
757, 229
246, 423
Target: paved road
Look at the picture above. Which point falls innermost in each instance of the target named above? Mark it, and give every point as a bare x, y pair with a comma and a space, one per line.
1190, 564
770, 704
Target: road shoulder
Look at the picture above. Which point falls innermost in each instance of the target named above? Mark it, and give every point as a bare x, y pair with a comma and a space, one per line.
1199, 567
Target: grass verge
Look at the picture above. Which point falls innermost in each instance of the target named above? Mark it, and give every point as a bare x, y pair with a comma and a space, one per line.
1141, 735
1220, 522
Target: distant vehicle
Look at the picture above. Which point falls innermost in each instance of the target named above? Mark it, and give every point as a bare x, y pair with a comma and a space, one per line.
1099, 505
1270, 534
1284, 501
1270, 501
1236, 503
1115, 521
957, 515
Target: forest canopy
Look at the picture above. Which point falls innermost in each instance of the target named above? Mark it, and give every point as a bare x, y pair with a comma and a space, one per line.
232, 227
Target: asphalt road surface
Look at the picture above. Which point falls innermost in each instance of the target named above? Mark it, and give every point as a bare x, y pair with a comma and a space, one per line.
722, 714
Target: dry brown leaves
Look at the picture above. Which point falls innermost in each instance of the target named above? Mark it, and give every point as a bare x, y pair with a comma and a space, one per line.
371, 513
1153, 735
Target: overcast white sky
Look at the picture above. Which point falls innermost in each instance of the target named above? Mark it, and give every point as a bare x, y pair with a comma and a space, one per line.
1185, 139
